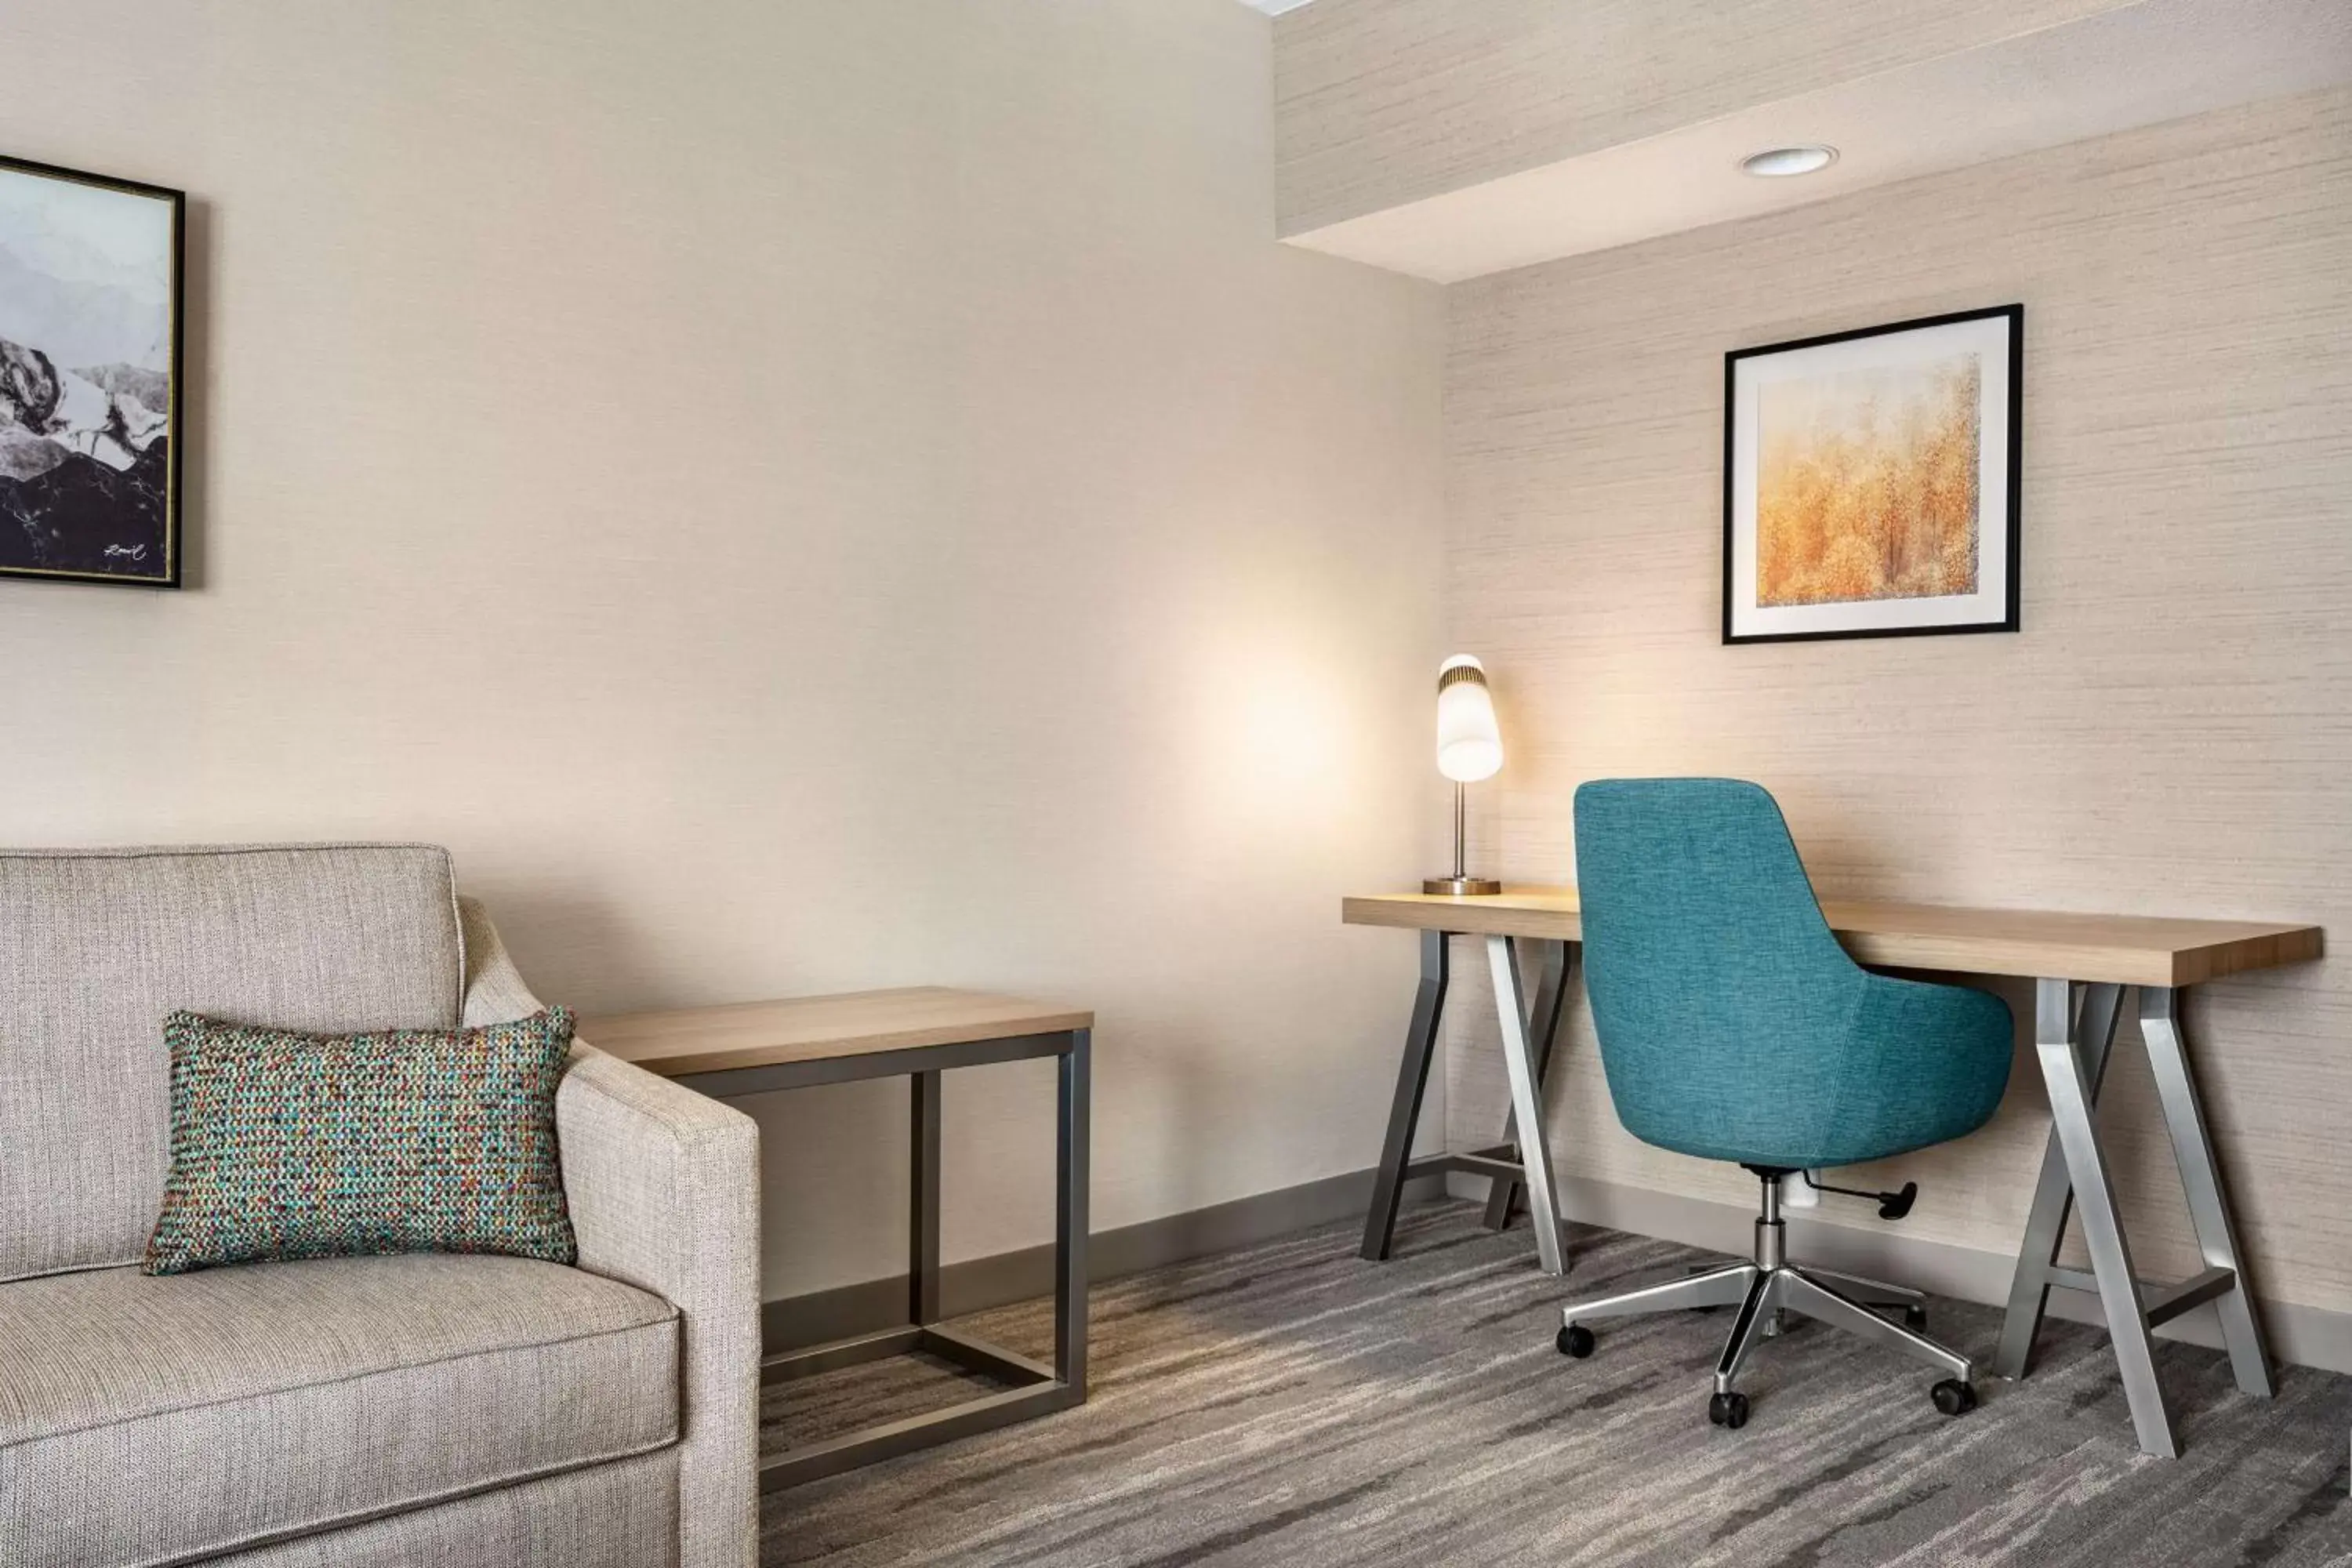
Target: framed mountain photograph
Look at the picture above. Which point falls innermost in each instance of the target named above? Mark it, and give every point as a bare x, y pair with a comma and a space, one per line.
90, 377
1870, 481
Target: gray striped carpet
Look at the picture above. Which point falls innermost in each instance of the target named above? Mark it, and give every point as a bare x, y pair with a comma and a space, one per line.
1292, 1405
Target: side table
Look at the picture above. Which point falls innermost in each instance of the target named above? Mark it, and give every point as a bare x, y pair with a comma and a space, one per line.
755, 1047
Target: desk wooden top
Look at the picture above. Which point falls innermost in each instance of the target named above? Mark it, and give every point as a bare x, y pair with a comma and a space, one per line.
2125, 950
810, 1028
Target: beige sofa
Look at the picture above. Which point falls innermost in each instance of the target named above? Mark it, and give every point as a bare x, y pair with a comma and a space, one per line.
345, 1412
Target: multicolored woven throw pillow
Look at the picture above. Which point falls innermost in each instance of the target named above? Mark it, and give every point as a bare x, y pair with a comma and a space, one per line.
288, 1145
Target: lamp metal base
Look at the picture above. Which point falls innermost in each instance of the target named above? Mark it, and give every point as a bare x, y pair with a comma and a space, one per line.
1463, 887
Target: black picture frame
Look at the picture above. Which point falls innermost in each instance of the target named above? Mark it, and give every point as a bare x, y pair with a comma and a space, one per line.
174, 421
2012, 404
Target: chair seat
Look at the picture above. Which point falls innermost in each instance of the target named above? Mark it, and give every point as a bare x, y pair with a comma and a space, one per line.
1922, 1064
147, 1421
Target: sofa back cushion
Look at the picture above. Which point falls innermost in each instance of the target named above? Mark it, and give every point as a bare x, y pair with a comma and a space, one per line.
96, 946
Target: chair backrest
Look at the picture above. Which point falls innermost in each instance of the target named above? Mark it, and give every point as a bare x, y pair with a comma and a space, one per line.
1720, 997
97, 945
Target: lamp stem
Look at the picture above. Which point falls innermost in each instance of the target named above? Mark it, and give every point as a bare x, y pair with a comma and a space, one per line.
1461, 820
1462, 884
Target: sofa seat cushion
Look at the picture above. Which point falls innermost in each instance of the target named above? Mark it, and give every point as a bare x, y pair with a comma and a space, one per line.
152, 1419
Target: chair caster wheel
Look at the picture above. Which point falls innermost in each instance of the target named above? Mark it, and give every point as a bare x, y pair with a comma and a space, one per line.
1727, 1410
1914, 1318
1575, 1339
1954, 1397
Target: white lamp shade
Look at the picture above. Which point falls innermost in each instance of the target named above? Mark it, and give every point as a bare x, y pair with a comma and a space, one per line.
1469, 744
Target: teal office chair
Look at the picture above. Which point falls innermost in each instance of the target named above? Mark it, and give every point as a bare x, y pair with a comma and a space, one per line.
1733, 1026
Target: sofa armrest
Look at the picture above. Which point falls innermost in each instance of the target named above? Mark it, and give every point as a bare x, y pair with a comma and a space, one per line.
664, 1187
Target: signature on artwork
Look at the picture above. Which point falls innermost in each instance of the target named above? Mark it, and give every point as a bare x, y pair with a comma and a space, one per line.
127, 551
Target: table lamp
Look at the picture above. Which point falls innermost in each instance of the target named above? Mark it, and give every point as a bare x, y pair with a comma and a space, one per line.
1469, 748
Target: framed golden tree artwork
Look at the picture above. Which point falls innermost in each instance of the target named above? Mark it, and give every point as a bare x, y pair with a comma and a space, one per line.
1870, 481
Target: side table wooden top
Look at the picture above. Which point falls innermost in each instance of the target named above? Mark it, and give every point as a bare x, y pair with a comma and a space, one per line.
685, 1040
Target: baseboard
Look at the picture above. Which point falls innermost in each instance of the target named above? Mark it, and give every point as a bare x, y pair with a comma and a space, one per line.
795, 1322
2308, 1336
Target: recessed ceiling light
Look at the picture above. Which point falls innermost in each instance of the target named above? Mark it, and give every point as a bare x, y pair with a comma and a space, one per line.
1779, 163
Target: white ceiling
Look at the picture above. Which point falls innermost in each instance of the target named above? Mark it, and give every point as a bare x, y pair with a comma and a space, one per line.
2147, 62
1273, 7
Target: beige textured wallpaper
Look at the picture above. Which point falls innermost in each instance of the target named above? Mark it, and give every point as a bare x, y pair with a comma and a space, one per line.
2171, 733
841, 494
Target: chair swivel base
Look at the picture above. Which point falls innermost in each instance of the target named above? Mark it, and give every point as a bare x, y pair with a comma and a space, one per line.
1762, 1290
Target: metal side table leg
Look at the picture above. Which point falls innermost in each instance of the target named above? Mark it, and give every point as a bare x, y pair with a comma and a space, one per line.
1073, 1107
2111, 1264
1559, 961
2053, 1196
2201, 1182
1404, 1111
1527, 1102
1033, 1387
923, 1202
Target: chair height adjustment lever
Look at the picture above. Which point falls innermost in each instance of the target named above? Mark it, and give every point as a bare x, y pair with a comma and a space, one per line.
1891, 1206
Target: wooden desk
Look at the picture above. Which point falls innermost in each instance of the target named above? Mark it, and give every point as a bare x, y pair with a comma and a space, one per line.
2081, 966
2118, 950
754, 1048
